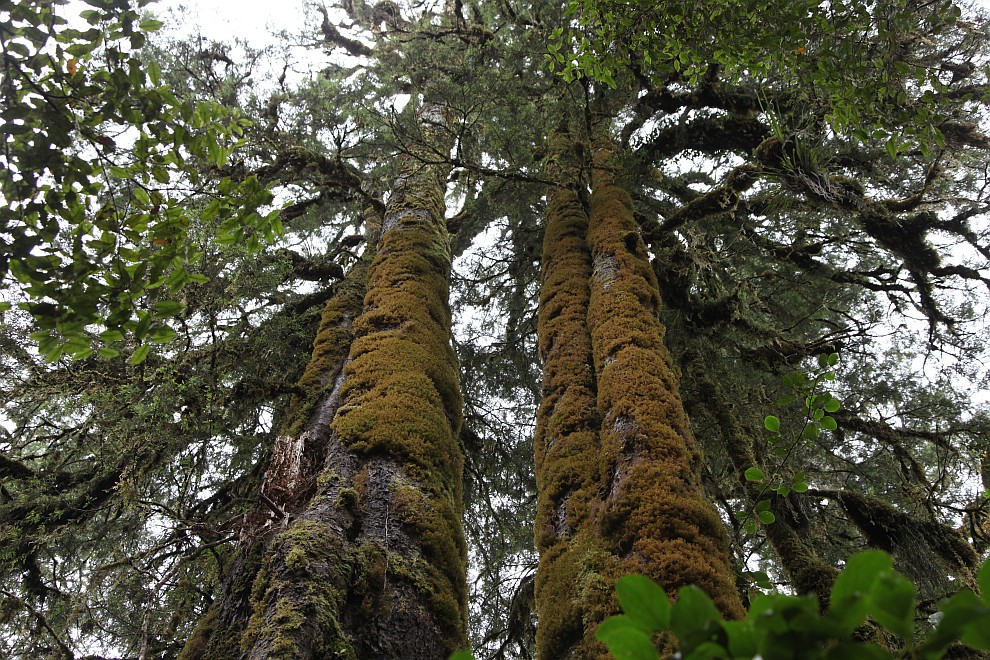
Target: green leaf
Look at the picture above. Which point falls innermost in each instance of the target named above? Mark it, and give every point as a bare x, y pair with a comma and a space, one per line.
771, 423
163, 334
111, 335
107, 352
743, 640
463, 654
625, 639
167, 308
892, 604
833, 405
707, 651
140, 354
850, 593
828, 423
694, 619
4, 306
963, 616
767, 518
644, 601
150, 25
754, 474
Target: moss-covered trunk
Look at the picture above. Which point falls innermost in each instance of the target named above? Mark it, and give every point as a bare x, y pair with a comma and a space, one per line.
617, 467
567, 470
654, 514
368, 560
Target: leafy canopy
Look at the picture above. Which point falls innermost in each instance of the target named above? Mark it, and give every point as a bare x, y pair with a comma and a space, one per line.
101, 164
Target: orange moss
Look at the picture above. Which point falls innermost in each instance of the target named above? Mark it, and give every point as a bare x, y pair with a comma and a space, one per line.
654, 514
567, 468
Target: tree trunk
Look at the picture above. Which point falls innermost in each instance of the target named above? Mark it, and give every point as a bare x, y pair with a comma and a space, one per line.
654, 514
360, 553
567, 470
617, 467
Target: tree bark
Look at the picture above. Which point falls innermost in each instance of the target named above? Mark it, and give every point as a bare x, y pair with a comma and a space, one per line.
617, 467
360, 553
567, 470
653, 514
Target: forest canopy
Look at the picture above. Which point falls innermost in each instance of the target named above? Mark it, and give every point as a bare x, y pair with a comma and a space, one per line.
421, 327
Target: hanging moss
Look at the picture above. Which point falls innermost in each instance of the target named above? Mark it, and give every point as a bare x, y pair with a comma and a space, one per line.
924, 550
654, 513
809, 574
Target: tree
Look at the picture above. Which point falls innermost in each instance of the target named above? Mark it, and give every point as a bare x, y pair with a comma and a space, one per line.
249, 496
91, 226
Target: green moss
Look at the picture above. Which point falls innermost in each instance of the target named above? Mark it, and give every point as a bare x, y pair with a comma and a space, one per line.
216, 637
330, 347
347, 498
298, 596
567, 461
655, 515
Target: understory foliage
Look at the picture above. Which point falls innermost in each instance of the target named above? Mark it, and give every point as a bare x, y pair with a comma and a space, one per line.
778, 625
804, 184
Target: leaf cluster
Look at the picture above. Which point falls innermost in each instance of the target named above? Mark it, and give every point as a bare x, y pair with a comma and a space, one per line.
868, 597
102, 164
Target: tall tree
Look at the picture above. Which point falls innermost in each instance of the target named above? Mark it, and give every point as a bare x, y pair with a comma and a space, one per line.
641, 275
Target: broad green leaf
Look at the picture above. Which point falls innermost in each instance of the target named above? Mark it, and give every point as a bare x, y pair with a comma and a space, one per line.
772, 424
644, 602
743, 642
707, 651
767, 518
694, 619
960, 616
625, 639
754, 474
167, 308
140, 354
850, 593
892, 604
